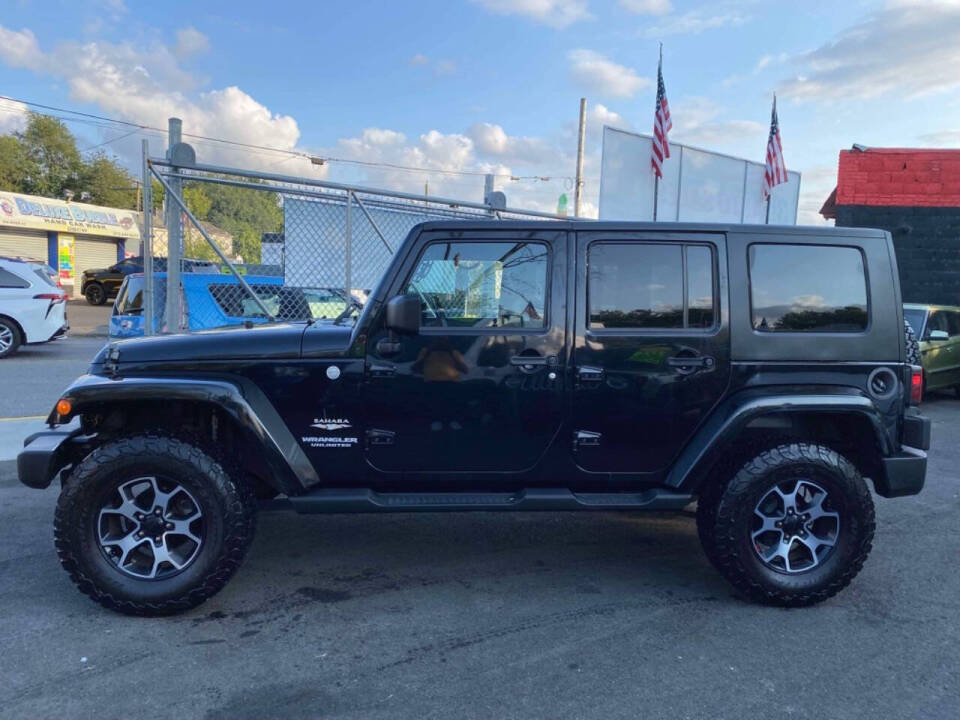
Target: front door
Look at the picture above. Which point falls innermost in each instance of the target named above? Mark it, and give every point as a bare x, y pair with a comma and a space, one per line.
652, 351
479, 389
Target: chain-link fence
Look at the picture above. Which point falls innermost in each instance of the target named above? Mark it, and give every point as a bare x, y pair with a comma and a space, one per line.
251, 247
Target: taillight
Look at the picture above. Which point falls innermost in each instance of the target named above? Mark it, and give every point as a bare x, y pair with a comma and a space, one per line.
55, 297
916, 384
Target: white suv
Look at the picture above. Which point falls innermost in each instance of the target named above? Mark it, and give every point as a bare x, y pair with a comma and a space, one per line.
32, 307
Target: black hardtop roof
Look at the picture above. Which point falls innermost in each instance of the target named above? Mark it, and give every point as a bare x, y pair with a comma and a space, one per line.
633, 226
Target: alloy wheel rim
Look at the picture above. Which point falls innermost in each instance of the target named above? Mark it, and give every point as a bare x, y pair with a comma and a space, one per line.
6, 338
795, 526
150, 528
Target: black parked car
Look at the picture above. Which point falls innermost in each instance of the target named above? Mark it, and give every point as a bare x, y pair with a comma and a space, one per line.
97, 285
514, 366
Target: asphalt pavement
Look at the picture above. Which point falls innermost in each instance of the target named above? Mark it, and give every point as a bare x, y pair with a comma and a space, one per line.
485, 615
31, 381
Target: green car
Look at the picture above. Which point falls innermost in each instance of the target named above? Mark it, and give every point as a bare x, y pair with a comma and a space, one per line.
938, 329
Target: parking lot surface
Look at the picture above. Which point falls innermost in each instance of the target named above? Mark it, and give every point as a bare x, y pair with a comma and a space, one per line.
495, 616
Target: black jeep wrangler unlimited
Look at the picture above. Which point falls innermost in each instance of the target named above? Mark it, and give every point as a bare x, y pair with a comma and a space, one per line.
514, 366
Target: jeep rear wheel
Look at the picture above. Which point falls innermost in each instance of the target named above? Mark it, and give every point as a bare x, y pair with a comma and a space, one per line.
152, 525
792, 527
95, 294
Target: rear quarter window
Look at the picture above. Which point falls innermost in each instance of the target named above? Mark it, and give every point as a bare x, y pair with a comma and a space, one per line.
807, 288
12, 280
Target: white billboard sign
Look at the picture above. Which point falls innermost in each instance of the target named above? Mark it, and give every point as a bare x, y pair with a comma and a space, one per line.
697, 185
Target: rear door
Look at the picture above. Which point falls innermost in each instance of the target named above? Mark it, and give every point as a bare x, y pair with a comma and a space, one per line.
652, 353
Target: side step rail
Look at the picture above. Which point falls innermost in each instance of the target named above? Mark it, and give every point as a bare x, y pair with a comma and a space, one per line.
364, 500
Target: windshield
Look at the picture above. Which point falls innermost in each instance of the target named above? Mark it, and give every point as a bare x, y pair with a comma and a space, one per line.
916, 318
130, 299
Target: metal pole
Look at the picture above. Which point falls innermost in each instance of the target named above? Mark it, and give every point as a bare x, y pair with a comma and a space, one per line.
767, 220
348, 250
198, 168
373, 223
174, 231
656, 191
578, 190
182, 207
147, 242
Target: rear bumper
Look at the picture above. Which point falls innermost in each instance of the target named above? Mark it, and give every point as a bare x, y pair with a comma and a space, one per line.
43, 455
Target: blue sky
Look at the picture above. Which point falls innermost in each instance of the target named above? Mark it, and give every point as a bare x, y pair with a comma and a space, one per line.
489, 85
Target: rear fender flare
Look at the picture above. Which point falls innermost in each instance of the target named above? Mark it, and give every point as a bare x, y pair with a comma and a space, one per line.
727, 422
243, 401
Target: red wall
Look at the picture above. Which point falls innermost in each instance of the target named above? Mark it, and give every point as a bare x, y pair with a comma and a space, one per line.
899, 177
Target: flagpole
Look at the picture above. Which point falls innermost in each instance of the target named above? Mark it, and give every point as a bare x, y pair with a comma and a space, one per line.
656, 192
767, 220
656, 177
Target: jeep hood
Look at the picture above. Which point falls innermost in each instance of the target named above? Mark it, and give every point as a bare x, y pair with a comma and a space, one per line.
280, 341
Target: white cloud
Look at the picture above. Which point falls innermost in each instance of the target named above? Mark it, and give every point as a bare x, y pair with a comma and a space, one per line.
912, 48
697, 21
493, 141
603, 76
13, 116
647, 7
147, 85
445, 67
768, 60
419, 59
555, 13
941, 138
190, 41
19, 49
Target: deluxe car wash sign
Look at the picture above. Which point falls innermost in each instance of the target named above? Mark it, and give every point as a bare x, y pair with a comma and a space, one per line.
37, 213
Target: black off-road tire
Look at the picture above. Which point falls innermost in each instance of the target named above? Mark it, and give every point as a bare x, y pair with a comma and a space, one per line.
95, 294
10, 329
229, 512
725, 516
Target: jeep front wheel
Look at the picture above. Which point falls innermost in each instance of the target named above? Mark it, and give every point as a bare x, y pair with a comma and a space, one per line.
792, 527
152, 525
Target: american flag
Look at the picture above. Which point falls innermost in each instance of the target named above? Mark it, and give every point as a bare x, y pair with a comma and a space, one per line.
776, 170
662, 124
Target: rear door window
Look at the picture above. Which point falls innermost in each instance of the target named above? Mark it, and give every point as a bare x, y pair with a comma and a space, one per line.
648, 286
11, 280
807, 288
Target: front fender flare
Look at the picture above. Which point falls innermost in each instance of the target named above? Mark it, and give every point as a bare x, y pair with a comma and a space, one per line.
242, 400
728, 420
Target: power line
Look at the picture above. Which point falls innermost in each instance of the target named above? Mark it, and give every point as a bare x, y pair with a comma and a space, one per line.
317, 160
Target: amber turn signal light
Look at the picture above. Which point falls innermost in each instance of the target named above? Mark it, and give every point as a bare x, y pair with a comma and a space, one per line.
63, 406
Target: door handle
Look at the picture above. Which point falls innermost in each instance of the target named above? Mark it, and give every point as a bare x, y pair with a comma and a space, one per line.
531, 362
691, 363
586, 373
382, 370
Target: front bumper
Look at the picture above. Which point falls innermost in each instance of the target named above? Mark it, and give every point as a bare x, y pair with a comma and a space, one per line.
45, 453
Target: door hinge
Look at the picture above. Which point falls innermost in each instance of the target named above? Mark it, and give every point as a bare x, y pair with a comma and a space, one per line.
380, 437
586, 438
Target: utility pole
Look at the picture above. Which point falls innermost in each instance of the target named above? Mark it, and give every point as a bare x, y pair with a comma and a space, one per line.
174, 232
578, 189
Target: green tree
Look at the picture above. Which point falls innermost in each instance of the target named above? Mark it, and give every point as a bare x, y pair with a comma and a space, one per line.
197, 200
15, 165
54, 161
158, 194
246, 214
108, 183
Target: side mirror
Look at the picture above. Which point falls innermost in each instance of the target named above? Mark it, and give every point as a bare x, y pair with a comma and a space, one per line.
403, 314
938, 335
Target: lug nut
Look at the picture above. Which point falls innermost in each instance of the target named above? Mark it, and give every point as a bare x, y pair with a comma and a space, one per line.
156, 511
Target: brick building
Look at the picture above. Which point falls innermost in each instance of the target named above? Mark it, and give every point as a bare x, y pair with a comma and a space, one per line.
915, 194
